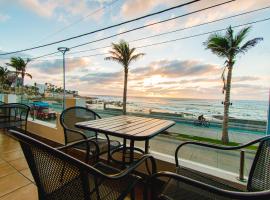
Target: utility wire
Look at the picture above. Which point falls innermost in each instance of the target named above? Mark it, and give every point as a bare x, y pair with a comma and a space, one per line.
155, 23
105, 28
140, 27
79, 20
177, 39
177, 30
182, 38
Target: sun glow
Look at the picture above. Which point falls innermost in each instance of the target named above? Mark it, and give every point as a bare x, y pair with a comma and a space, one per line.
153, 80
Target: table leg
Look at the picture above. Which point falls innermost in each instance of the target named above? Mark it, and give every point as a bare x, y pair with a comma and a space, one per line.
124, 151
131, 151
146, 147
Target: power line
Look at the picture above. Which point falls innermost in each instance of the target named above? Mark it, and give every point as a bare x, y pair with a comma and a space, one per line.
140, 27
155, 23
79, 20
182, 38
105, 28
178, 39
177, 30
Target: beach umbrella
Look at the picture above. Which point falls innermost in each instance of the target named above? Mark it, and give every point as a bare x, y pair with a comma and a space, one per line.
268, 119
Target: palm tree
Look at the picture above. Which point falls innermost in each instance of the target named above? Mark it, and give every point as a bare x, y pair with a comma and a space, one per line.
124, 55
20, 67
4, 72
3, 75
229, 46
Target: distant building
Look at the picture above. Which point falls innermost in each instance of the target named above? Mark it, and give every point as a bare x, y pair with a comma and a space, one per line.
41, 88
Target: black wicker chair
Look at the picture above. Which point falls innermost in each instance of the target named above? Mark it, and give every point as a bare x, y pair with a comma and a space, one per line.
167, 185
96, 145
14, 115
80, 180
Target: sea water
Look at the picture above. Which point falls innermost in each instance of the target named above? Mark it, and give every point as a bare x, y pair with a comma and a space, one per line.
240, 109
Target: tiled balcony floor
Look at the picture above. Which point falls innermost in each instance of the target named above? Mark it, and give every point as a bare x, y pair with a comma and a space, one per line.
16, 181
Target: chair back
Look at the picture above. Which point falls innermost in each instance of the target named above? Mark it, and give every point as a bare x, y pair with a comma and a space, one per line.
17, 111
73, 115
14, 115
259, 176
57, 175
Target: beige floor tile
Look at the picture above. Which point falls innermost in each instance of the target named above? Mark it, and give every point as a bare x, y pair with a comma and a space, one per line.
2, 161
13, 155
9, 148
28, 192
11, 183
19, 164
27, 173
6, 169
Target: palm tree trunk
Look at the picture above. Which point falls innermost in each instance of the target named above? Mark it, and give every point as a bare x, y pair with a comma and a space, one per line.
125, 92
225, 135
23, 75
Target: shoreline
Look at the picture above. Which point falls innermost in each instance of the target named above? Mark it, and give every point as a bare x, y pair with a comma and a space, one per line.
237, 125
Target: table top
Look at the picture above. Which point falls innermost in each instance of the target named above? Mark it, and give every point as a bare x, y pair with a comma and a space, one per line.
129, 127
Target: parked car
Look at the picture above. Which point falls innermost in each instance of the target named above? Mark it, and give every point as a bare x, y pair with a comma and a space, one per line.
41, 110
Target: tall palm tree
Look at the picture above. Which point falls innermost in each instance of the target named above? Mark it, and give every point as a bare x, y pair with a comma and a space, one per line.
229, 46
4, 72
124, 55
3, 75
19, 65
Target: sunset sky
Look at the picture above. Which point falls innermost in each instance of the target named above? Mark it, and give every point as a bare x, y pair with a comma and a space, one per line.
180, 69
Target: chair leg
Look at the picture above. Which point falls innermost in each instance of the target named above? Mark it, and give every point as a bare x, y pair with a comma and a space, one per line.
132, 194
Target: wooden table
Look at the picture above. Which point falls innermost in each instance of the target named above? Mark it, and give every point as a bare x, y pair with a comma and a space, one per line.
129, 128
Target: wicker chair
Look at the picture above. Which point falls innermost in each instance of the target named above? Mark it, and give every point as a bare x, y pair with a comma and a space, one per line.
167, 185
14, 115
80, 181
96, 145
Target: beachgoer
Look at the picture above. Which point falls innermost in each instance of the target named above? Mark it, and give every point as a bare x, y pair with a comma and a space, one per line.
201, 118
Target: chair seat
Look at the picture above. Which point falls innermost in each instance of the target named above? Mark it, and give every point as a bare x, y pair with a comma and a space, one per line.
111, 189
102, 144
174, 189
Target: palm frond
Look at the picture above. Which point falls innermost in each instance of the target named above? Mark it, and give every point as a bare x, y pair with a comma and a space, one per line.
29, 75
218, 44
229, 36
136, 57
249, 44
241, 35
123, 54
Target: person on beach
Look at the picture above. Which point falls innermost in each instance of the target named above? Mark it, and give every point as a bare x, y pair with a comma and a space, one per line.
201, 119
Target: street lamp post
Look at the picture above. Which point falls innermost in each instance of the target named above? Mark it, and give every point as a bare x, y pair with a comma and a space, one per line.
63, 50
268, 119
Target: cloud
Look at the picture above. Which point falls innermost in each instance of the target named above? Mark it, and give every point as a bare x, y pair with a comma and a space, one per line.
63, 9
177, 68
42, 8
133, 8
55, 66
4, 17
102, 78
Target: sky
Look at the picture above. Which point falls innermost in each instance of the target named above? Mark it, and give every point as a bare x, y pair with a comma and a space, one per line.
179, 69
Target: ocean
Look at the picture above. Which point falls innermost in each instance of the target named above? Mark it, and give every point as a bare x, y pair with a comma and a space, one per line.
240, 109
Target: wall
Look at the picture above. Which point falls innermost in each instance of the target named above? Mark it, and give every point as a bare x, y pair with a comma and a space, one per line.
48, 130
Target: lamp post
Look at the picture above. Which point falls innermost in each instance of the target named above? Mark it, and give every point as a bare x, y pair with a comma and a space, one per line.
63, 50
268, 120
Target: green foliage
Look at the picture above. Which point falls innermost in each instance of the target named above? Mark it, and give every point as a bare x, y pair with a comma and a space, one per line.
19, 65
123, 54
230, 44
